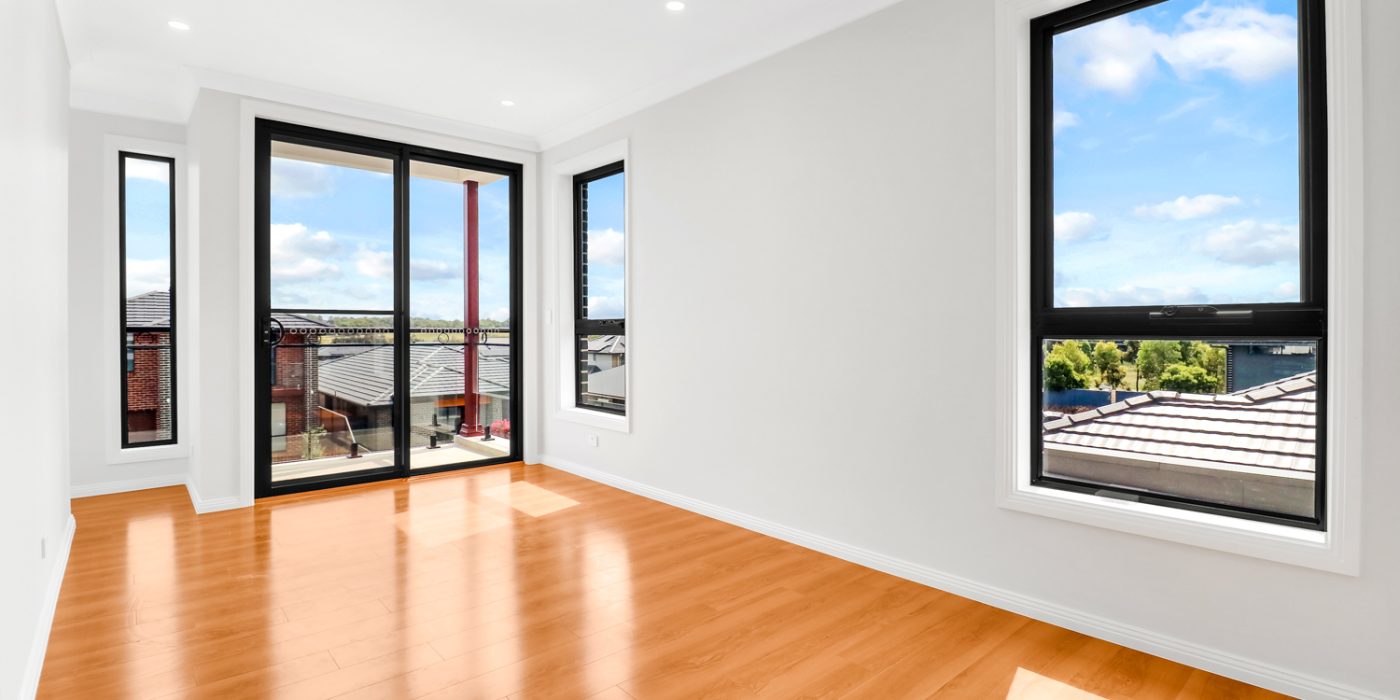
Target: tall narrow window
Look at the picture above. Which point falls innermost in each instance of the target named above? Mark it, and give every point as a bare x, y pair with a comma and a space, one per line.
147, 253
1178, 243
600, 317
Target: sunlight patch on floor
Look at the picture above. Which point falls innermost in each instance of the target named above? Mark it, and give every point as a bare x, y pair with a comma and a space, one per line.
529, 499
1029, 685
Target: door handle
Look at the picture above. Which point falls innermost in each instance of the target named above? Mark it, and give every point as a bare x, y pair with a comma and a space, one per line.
271, 337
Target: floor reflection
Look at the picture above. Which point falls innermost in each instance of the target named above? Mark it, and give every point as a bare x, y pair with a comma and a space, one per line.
522, 581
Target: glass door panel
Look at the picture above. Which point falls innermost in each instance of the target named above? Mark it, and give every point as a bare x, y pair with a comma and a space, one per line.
330, 325
459, 272
332, 378
387, 276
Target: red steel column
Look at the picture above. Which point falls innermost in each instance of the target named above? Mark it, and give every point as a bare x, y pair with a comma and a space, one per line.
471, 402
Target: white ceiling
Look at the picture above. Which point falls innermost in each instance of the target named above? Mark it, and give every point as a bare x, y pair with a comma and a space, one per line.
570, 65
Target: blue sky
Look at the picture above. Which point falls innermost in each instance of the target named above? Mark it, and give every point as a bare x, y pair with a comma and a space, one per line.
606, 246
147, 226
332, 242
1176, 156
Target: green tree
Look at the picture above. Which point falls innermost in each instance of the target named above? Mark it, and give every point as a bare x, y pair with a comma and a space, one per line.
1188, 378
1059, 374
1108, 360
1067, 367
1073, 351
1210, 358
1153, 357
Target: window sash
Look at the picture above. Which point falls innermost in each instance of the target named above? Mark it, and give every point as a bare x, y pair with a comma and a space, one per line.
123, 334
584, 326
1302, 320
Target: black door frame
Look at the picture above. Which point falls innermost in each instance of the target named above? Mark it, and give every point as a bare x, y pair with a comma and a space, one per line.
401, 154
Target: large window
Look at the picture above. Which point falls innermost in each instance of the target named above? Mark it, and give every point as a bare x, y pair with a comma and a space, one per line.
600, 317
1178, 243
146, 201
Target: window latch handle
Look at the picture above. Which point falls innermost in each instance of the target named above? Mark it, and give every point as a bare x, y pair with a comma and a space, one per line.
1200, 312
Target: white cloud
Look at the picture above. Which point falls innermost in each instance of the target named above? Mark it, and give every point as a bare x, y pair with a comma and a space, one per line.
1065, 120
501, 314
422, 270
288, 240
1129, 295
605, 307
380, 264
1074, 225
142, 169
305, 269
1248, 43
147, 276
298, 179
1183, 208
1288, 291
1118, 54
1252, 243
375, 263
606, 247
297, 253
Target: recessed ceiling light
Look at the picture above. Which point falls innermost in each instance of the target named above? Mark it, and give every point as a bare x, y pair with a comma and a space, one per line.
507, 103
177, 25
675, 5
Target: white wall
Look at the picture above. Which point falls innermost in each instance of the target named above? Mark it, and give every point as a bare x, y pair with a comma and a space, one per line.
33, 278
91, 235
218, 446
851, 180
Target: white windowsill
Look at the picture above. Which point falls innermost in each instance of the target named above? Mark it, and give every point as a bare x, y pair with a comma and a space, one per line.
596, 419
132, 455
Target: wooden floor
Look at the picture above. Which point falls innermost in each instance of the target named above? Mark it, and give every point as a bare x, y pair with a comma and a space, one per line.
526, 582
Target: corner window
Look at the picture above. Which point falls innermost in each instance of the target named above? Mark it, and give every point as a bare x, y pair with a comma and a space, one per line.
146, 201
1178, 243
600, 316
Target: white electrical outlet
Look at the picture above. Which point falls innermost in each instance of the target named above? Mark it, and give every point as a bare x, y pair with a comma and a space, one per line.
592, 440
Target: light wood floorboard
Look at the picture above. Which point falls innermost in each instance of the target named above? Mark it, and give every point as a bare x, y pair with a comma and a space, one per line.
526, 582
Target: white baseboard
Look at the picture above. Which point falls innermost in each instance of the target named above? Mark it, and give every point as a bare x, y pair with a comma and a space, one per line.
40, 647
212, 505
1230, 665
110, 487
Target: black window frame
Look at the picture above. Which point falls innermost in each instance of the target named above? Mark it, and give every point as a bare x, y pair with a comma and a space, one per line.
130, 347
1305, 319
403, 154
584, 326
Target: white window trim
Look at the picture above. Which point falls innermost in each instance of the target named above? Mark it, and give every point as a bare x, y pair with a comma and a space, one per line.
112, 418
561, 201
1336, 550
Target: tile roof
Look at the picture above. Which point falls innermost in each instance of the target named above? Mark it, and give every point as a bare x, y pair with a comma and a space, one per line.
366, 378
608, 344
152, 310
1270, 426
149, 310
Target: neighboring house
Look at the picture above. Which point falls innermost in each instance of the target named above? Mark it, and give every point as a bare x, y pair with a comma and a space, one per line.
294, 408
608, 386
1254, 448
605, 361
148, 375
1253, 364
606, 352
357, 393
148, 368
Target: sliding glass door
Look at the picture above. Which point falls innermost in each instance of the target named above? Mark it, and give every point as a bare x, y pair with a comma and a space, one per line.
387, 282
